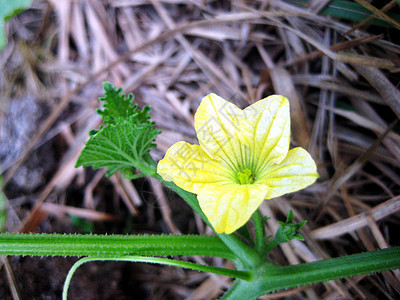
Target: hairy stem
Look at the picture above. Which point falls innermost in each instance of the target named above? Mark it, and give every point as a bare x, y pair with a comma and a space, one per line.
270, 278
112, 245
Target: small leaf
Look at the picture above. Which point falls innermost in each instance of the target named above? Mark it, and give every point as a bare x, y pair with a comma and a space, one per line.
118, 107
298, 236
300, 225
289, 218
288, 230
125, 141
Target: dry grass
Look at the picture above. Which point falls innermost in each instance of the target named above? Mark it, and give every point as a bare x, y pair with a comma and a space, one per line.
341, 79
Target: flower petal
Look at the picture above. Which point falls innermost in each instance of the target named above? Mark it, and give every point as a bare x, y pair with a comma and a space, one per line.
229, 207
217, 123
295, 172
189, 167
267, 130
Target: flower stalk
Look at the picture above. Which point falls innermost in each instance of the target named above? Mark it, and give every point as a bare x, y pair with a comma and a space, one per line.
259, 231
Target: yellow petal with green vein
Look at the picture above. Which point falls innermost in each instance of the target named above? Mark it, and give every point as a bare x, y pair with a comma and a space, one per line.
295, 172
229, 207
190, 168
267, 130
217, 123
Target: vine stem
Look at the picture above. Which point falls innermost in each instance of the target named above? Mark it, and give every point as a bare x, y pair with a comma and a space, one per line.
243, 275
270, 278
112, 245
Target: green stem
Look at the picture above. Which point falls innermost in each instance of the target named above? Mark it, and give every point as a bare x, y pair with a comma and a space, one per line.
260, 232
245, 235
243, 275
270, 278
112, 245
248, 256
271, 245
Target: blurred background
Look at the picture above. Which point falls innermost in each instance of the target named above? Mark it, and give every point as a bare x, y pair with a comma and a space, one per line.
336, 61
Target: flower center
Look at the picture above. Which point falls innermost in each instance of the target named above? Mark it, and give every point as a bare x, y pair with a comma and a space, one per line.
245, 177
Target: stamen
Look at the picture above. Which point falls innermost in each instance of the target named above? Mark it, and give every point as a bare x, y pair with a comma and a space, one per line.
245, 177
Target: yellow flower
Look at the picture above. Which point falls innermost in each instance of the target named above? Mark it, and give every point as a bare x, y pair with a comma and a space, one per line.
243, 158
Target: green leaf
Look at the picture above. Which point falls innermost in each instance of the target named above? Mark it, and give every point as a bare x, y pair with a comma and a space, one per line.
118, 107
120, 147
124, 143
348, 10
9, 9
352, 11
